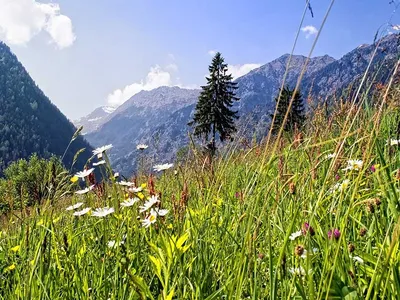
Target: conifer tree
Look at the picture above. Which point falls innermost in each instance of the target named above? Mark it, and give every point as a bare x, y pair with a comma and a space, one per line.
296, 115
214, 115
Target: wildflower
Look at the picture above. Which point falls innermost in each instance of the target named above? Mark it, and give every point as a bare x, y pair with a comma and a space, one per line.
351, 248
160, 212
370, 207
102, 212
116, 175
152, 218
340, 186
84, 173
142, 147
357, 259
129, 202
101, 162
159, 168
295, 235
299, 250
363, 231
135, 189
112, 243
81, 212
292, 188
297, 271
75, 206
99, 151
307, 228
330, 155
126, 183
10, 268
148, 204
84, 191
74, 178
393, 142
354, 164
335, 233
16, 248
304, 255
176, 172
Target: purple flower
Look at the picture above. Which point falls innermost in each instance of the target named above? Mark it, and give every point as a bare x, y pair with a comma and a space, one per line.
335, 233
307, 228
337, 177
373, 169
237, 194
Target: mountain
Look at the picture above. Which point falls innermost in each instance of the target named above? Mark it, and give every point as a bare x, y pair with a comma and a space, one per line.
164, 126
29, 122
95, 119
134, 121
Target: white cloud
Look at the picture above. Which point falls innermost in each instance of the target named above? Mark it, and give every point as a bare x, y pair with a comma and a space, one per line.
240, 70
309, 30
212, 52
155, 78
21, 20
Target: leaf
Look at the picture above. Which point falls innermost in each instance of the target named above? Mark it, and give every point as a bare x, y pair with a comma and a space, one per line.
157, 264
170, 295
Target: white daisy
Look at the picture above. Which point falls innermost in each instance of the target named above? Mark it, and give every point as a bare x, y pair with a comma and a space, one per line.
112, 243
354, 164
393, 142
126, 183
99, 151
102, 212
159, 212
142, 147
297, 271
148, 204
101, 162
152, 218
295, 235
357, 259
129, 202
75, 206
84, 173
82, 212
86, 190
159, 168
135, 189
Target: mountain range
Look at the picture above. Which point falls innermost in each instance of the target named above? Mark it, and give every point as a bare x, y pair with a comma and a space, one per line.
159, 117
29, 122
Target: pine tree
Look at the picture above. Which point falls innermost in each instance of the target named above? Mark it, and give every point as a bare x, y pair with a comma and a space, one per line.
296, 115
214, 115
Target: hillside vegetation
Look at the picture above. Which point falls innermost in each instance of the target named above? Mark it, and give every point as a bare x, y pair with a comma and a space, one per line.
309, 215
29, 122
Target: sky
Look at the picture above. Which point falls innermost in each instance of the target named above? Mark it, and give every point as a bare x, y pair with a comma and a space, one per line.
87, 53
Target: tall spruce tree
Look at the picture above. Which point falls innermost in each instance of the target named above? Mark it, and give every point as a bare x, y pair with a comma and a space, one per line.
296, 115
214, 115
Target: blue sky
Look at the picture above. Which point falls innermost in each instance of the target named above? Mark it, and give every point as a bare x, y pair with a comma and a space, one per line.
84, 54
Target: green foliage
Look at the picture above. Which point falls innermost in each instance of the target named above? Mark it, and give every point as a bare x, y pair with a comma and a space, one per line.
214, 114
29, 122
296, 116
29, 182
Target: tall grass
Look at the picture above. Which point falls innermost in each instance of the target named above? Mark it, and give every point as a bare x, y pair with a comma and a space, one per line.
282, 219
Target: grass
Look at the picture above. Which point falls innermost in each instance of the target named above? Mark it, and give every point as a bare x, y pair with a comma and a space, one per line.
229, 230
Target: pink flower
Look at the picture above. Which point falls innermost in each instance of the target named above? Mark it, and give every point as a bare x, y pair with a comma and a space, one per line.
335, 233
